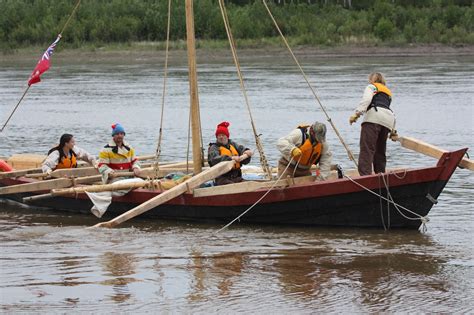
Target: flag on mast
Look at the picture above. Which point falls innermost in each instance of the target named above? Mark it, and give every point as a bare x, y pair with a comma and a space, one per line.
44, 63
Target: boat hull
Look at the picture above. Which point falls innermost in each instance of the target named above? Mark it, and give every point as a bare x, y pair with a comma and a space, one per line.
339, 203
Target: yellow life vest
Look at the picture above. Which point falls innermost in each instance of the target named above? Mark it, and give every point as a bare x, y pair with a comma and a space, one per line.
232, 152
382, 97
311, 153
67, 162
382, 89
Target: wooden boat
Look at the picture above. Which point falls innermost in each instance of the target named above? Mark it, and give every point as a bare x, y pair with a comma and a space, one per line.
336, 202
348, 202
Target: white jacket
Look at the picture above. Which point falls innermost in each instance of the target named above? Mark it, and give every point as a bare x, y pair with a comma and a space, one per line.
287, 143
381, 116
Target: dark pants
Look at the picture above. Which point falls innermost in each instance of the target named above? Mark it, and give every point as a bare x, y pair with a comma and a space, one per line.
234, 176
373, 144
290, 171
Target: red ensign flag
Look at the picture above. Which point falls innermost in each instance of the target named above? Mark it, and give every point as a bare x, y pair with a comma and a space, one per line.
43, 63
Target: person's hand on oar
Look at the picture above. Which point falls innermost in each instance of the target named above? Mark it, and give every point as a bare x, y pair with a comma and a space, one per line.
137, 172
393, 135
246, 155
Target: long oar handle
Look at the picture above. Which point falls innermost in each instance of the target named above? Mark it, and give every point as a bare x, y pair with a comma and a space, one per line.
101, 188
20, 173
193, 182
429, 150
37, 197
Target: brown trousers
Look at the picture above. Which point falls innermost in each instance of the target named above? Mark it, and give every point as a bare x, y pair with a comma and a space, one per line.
232, 177
373, 144
282, 163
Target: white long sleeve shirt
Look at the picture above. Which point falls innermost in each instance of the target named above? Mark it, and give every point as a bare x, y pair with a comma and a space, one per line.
52, 159
381, 116
287, 143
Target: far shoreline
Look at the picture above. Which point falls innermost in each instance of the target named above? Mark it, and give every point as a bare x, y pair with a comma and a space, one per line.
154, 51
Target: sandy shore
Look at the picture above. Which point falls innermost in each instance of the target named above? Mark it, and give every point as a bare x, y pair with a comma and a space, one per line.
141, 53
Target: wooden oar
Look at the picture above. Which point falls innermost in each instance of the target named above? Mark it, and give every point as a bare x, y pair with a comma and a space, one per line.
86, 177
81, 167
213, 172
19, 173
429, 150
47, 185
55, 183
71, 172
89, 171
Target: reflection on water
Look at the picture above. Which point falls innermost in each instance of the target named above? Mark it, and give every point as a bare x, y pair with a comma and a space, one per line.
50, 263
183, 268
120, 267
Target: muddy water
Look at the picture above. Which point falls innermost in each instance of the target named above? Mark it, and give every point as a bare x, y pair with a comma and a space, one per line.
50, 263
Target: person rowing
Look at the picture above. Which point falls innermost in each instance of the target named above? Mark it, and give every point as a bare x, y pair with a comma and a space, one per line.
225, 149
117, 155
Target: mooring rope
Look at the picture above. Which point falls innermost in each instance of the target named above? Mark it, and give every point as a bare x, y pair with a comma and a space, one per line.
423, 219
258, 143
165, 77
256, 202
349, 152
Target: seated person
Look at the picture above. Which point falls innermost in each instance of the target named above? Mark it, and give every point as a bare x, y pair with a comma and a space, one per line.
117, 155
305, 146
65, 155
226, 150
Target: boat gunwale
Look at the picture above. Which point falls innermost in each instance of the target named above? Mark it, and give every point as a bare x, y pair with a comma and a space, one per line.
305, 190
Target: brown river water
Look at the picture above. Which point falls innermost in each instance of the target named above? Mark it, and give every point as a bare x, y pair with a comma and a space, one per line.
50, 263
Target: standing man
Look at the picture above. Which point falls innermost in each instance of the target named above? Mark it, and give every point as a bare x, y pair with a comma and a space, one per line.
379, 120
117, 155
225, 149
303, 147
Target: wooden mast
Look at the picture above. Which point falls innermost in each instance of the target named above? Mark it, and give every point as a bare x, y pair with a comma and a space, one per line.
193, 89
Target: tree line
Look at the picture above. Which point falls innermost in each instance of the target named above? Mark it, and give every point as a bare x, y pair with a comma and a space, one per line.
306, 22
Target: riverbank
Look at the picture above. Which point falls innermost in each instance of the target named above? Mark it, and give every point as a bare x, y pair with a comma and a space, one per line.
217, 50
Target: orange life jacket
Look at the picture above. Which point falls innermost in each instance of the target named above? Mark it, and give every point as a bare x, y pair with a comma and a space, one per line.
311, 153
232, 152
67, 161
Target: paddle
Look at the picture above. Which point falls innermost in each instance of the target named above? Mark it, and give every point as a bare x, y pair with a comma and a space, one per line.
429, 150
188, 185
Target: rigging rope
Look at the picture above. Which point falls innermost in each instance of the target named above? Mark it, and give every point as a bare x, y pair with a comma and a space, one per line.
351, 156
423, 219
258, 143
189, 142
256, 202
165, 76
70, 16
